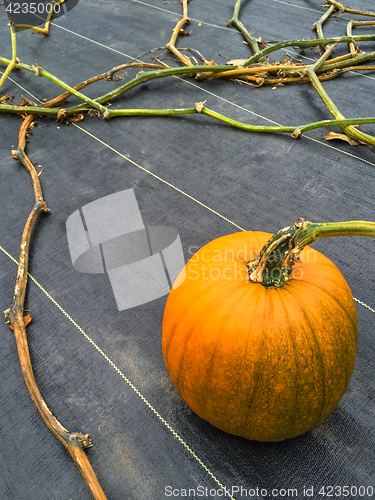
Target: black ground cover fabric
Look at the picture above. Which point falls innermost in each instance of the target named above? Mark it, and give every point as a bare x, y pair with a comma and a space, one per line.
101, 370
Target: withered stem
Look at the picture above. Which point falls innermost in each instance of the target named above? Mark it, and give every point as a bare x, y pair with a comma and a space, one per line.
349, 129
13, 63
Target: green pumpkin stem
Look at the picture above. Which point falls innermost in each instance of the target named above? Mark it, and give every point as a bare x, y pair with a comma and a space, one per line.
274, 265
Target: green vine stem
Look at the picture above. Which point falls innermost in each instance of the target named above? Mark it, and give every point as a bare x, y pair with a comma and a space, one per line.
338, 63
13, 63
145, 76
322, 59
171, 45
295, 131
274, 265
142, 77
253, 42
349, 130
349, 31
41, 72
318, 26
190, 70
326, 70
343, 9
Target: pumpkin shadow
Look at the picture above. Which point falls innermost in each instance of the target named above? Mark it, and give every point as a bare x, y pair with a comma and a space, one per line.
310, 460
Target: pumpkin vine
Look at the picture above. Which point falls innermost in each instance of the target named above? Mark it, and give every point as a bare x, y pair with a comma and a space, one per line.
275, 263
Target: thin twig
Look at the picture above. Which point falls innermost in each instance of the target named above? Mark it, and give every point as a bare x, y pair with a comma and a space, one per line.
108, 75
147, 76
38, 71
339, 63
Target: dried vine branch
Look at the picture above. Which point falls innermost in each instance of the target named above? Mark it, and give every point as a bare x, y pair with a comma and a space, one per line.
75, 442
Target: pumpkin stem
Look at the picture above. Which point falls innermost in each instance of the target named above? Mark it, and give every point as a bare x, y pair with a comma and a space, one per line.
276, 259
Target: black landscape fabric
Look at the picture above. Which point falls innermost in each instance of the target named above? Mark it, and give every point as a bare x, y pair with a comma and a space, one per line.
99, 363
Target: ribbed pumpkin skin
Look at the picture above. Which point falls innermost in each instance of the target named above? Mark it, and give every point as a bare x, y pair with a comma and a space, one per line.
263, 363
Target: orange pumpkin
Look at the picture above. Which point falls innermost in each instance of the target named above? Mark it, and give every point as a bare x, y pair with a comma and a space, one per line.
265, 363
